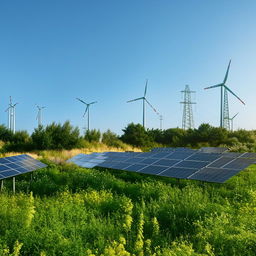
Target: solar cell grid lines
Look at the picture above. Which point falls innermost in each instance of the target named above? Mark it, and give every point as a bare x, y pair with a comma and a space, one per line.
16, 165
206, 164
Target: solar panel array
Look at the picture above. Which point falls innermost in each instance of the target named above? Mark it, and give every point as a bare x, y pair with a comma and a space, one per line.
16, 165
206, 164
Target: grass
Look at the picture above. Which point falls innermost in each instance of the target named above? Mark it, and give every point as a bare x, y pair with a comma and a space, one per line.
68, 210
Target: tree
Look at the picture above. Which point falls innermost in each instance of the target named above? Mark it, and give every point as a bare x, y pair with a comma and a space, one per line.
136, 135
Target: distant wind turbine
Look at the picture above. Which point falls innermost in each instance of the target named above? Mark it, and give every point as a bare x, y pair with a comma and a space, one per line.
232, 120
224, 100
11, 116
143, 102
39, 115
87, 110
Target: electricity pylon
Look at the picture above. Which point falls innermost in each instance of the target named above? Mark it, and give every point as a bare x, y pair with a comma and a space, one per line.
187, 117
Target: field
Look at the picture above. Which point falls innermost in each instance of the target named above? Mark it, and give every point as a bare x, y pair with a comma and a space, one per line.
67, 210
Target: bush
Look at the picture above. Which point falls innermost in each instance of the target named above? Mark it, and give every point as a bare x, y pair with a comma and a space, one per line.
136, 135
56, 136
92, 135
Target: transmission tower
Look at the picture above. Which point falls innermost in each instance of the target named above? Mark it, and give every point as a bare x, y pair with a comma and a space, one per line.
187, 117
226, 119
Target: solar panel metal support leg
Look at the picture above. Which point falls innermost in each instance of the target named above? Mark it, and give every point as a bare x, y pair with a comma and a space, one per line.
13, 184
2, 185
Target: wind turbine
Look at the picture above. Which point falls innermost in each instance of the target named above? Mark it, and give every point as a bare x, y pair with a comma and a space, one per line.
232, 119
143, 98
87, 111
161, 122
222, 100
11, 116
39, 115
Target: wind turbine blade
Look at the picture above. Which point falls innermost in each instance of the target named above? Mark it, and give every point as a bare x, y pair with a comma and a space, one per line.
214, 86
7, 109
141, 98
81, 101
15, 104
226, 75
152, 107
233, 94
86, 110
234, 116
146, 87
92, 102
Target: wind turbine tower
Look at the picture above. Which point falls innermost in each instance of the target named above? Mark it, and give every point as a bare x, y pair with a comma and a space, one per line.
39, 115
224, 109
11, 116
144, 101
187, 117
87, 110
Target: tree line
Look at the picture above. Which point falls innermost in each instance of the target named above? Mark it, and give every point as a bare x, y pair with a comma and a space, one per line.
65, 136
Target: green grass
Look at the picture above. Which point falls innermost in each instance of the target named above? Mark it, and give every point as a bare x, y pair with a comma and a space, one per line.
77, 211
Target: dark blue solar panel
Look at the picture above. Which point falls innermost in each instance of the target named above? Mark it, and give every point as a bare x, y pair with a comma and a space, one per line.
134, 160
135, 167
12, 165
179, 155
4, 161
149, 161
220, 162
3, 168
176, 162
180, 173
15, 165
204, 157
192, 164
218, 175
249, 155
120, 166
153, 169
9, 173
239, 163
166, 162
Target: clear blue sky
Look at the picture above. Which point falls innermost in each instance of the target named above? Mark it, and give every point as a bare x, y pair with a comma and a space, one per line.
54, 51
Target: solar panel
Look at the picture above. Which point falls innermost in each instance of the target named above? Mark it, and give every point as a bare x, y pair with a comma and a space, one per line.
204, 157
192, 164
176, 172
239, 163
179, 155
219, 175
153, 169
16, 165
249, 155
213, 149
220, 162
207, 164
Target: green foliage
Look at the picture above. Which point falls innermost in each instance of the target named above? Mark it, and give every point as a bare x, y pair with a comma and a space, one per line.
111, 139
136, 135
56, 136
77, 211
5, 134
92, 135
